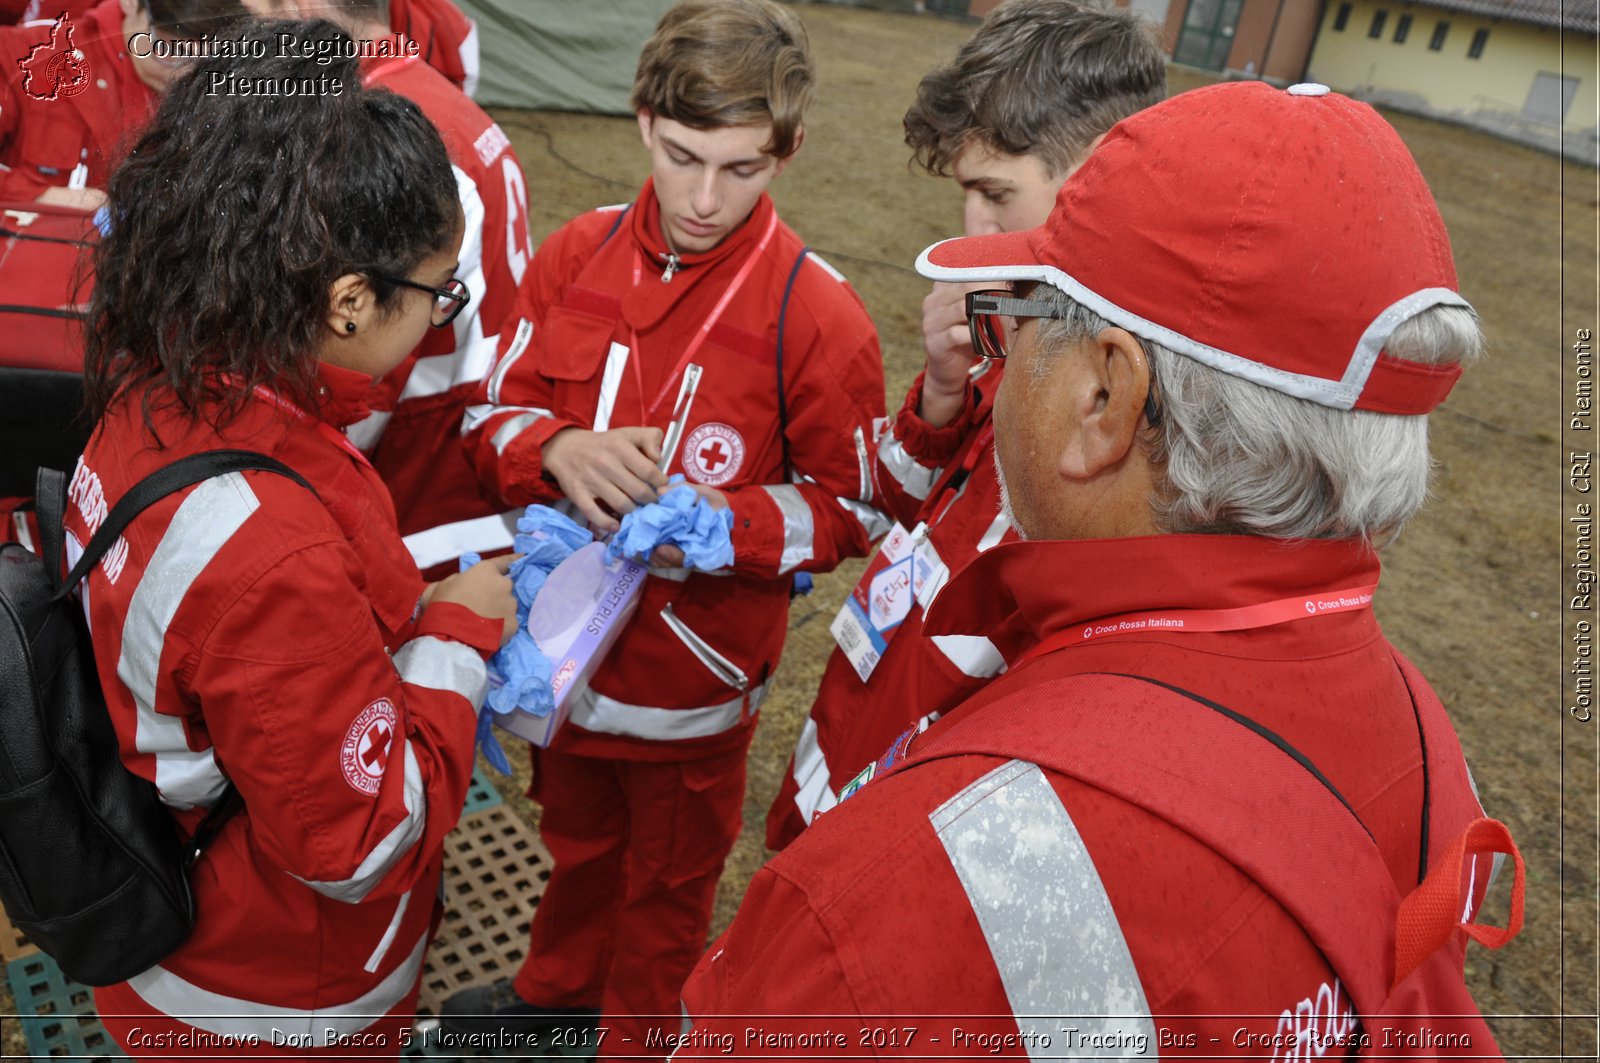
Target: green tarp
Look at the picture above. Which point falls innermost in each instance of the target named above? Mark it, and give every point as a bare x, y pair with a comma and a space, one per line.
562, 55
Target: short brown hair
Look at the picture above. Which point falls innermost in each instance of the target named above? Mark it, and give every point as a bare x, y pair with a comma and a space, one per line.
718, 63
1040, 77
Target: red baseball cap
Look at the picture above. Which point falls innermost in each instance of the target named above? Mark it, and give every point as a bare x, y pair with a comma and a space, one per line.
1277, 235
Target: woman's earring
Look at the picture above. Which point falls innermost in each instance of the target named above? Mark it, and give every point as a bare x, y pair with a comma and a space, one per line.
349, 326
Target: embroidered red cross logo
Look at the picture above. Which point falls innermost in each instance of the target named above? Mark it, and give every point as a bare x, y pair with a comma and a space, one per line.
713, 454
374, 751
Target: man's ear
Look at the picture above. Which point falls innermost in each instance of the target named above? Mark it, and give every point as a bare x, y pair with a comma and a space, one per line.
1108, 394
351, 301
783, 163
646, 123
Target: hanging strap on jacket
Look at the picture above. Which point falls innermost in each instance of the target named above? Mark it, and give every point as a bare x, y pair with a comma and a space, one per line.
1219, 776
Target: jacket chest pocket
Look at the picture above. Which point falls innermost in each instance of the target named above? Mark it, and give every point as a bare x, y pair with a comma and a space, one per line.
573, 345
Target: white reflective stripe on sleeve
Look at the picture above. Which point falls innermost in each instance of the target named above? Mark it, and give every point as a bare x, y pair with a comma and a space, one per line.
440, 664
864, 463
366, 432
596, 712
915, 480
24, 535
799, 534
610, 385
168, 994
996, 531
389, 934
1044, 913
206, 520
815, 787
874, 523
819, 260
469, 60
448, 541
519, 344
393, 845
511, 429
973, 654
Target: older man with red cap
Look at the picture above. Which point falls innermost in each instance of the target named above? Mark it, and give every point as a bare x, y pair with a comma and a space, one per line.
1184, 820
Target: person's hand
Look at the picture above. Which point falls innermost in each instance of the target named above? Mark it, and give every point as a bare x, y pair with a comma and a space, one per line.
606, 474
947, 342
670, 556
484, 588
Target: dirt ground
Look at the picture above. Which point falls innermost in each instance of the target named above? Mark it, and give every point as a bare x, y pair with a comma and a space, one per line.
1473, 592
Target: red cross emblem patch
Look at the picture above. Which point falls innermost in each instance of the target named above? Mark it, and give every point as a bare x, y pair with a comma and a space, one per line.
713, 454
364, 753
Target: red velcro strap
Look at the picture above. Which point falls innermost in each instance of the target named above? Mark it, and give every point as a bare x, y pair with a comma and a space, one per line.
1432, 911
1398, 386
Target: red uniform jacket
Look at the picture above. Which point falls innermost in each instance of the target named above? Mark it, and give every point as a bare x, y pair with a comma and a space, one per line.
973, 886
944, 477
685, 681
247, 629
414, 434
69, 102
448, 38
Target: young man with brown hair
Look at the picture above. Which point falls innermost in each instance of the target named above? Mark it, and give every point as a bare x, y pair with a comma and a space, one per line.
1018, 110
621, 311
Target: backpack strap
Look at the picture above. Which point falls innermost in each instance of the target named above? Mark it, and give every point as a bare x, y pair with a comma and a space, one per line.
1218, 776
783, 403
182, 473
186, 471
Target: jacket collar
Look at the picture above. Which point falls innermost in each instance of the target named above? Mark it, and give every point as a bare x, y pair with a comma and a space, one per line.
343, 395
1036, 588
647, 235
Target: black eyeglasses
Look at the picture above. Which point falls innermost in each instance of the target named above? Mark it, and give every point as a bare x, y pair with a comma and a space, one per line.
448, 302
989, 335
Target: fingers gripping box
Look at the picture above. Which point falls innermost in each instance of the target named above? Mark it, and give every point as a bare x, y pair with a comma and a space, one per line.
574, 620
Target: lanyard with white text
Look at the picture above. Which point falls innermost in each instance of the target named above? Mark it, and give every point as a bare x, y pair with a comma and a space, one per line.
1265, 614
705, 329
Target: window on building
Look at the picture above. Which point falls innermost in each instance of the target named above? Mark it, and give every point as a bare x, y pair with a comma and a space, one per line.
1550, 98
1341, 17
1379, 17
1402, 29
1441, 30
1479, 39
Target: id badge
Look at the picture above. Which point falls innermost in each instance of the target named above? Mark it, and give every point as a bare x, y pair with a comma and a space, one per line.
929, 572
879, 602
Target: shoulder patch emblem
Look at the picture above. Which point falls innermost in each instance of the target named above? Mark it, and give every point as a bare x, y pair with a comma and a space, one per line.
364, 753
713, 454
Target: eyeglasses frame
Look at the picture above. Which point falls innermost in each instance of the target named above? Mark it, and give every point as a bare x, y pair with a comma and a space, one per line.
459, 299
1001, 302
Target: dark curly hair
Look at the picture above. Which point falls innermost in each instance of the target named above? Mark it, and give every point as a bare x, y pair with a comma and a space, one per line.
234, 214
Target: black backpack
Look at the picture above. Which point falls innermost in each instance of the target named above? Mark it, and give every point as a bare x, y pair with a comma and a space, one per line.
92, 868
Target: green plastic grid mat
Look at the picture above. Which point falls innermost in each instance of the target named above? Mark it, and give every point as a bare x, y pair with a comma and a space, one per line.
481, 794
57, 1013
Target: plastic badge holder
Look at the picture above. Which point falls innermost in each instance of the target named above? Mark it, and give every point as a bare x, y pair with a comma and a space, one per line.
576, 617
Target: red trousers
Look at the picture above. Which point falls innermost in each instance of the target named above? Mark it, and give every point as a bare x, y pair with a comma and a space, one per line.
639, 847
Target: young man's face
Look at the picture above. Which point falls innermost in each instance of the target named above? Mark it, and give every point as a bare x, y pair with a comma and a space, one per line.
1003, 193
707, 180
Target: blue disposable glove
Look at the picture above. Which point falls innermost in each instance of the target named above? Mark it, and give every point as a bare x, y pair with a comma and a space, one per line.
682, 518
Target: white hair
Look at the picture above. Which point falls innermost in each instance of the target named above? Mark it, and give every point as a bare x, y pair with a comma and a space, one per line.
1238, 458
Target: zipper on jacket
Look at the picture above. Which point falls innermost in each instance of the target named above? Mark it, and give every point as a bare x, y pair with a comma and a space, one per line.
715, 663
674, 264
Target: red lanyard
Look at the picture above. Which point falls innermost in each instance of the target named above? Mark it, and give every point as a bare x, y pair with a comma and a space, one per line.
323, 428
952, 486
1265, 614
705, 329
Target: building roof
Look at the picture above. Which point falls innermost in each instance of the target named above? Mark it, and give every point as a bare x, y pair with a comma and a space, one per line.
1582, 16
